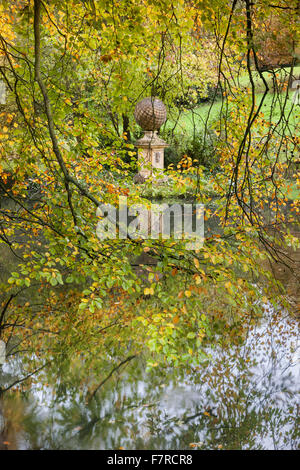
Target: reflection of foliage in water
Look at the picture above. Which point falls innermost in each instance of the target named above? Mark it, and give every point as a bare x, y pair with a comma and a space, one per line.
244, 398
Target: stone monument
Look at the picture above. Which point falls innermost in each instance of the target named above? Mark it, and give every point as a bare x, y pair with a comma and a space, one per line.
150, 113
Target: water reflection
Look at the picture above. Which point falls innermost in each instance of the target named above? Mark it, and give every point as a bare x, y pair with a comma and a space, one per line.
245, 397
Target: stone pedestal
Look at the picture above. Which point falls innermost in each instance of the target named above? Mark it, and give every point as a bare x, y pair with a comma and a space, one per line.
150, 113
151, 155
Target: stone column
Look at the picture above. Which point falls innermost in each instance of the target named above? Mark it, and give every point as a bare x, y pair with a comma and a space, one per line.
150, 114
150, 155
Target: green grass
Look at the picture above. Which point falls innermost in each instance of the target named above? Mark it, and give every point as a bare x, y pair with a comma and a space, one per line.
282, 77
291, 112
188, 120
195, 119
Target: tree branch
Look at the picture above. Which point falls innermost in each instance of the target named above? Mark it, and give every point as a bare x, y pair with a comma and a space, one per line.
109, 376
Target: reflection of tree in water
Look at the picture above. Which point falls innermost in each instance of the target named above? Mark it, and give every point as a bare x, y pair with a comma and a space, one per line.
244, 398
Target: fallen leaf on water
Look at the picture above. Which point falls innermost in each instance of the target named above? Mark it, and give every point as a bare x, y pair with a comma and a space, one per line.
196, 444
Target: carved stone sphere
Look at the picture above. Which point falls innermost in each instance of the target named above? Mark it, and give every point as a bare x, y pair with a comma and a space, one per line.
150, 113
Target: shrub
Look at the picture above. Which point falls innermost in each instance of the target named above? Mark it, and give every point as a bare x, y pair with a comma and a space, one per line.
196, 147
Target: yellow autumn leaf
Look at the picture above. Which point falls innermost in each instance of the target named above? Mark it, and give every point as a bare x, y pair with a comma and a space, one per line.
148, 291
228, 285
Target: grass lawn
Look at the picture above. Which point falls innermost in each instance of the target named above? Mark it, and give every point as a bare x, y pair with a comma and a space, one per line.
196, 118
282, 77
189, 120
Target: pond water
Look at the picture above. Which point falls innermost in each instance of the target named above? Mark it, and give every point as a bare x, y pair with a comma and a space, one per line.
243, 397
